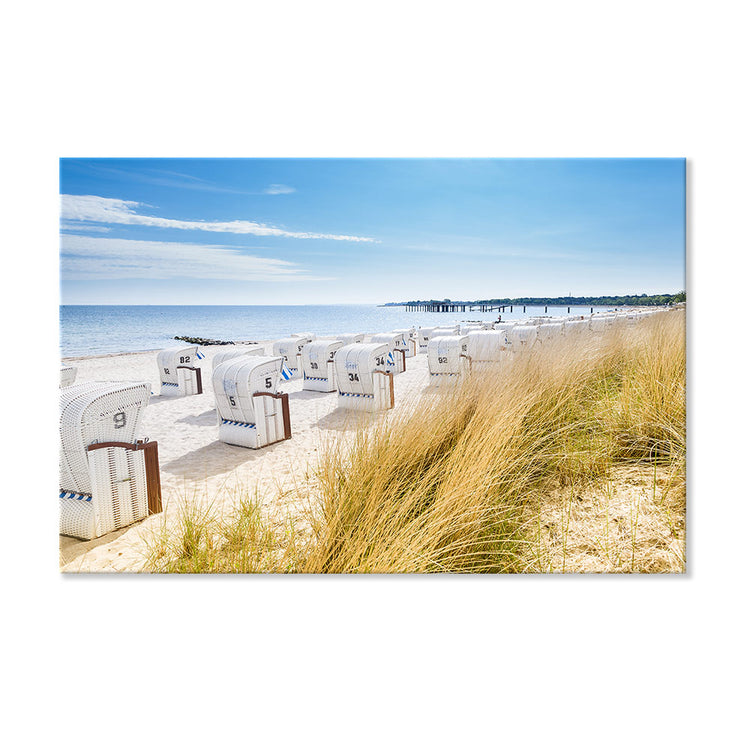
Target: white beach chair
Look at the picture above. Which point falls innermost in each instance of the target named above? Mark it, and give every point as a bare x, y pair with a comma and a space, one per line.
448, 359
351, 338
577, 327
108, 478
290, 350
318, 372
179, 371
251, 411
486, 348
396, 359
237, 351
407, 342
424, 334
362, 381
549, 331
67, 375
522, 337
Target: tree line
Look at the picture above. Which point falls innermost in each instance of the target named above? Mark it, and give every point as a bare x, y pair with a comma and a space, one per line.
646, 300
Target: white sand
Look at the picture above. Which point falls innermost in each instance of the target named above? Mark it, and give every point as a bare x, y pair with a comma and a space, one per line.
193, 461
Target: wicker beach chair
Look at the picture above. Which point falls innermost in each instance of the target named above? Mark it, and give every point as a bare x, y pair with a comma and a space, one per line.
290, 350
318, 372
351, 338
522, 337
448, 359
108, 478
363, 383
179, 371
486, 348
549, 331
237, 351
408, 342
252, 413
395, 360
67, 375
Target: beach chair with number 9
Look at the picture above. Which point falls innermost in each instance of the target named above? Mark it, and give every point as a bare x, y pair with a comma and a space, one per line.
108, 478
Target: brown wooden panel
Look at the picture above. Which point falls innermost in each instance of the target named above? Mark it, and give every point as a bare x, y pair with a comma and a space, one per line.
285, 414
153, 475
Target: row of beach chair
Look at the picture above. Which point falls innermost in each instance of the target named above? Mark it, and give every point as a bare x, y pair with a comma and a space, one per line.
109, 477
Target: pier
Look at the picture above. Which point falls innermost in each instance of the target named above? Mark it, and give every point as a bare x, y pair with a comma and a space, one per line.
453, 307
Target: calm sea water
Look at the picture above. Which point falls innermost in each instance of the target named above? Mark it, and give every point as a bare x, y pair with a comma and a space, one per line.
109, 329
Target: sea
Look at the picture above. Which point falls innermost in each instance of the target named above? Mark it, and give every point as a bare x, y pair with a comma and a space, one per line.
87, 330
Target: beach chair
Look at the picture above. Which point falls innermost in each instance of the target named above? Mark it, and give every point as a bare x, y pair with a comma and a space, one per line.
108, 478
486, 348
290, 350
424, 334
179, 371
351, 338
576, 327
448, 359
549, 331
396, 359
522, 337
237, 351
362, 382
318, 372
251, 411
451, 330
408, 342
67, 375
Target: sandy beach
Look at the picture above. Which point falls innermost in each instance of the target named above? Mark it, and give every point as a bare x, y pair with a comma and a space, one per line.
194, 463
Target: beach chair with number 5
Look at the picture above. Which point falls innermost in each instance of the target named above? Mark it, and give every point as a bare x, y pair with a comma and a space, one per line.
252, 413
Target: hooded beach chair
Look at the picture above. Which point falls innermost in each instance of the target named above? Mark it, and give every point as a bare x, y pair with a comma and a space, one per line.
486, 347
179, 371
318, 372
362, 381
424, 334
351, 338
396, 358
108, 478
67, 375
237, 351
448, 359
290, 350
408, 342
522, 337
251, 411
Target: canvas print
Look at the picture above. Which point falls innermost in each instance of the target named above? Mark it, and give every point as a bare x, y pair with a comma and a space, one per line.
372, 366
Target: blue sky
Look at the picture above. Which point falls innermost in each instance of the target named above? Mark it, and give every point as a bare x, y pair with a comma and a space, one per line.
308, 231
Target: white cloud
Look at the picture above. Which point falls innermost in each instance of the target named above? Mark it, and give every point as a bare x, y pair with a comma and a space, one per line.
82, 227
115, 211
279, 190
85, 258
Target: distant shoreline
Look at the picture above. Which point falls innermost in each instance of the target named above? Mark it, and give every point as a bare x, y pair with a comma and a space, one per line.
628, 300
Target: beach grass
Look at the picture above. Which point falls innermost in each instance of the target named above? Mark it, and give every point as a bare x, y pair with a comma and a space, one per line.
568, 457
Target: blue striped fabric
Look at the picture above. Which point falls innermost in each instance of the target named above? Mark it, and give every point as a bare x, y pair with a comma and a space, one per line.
74, 496
237, 424
286, 373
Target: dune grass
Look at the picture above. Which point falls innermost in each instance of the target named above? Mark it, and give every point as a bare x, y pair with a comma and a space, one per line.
467, 479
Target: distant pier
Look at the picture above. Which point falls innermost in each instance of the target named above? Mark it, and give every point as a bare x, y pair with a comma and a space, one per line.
453, 307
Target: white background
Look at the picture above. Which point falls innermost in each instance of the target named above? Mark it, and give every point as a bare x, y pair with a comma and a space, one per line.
378, 662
